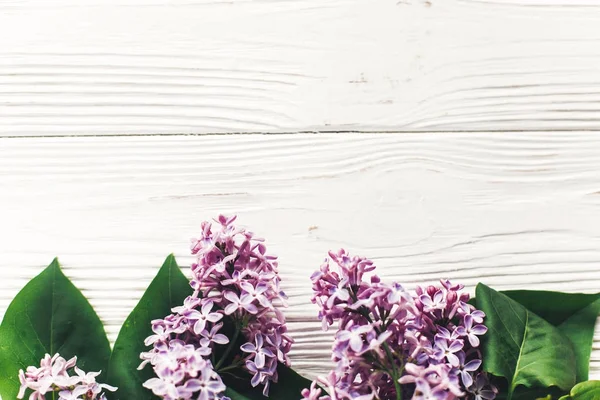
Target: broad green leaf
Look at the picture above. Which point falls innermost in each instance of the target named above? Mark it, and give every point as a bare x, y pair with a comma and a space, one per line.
168, 289
48, 316
523, 347
233, 395
574, 314
554, 307
525, 393
289, 385
589, 390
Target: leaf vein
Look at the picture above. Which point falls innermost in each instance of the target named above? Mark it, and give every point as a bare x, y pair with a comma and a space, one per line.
518, 368
504, 324
34, 331
52, 310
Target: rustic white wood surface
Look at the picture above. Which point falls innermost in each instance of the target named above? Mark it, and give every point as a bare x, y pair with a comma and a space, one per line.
196, 66
495, 203
516, 210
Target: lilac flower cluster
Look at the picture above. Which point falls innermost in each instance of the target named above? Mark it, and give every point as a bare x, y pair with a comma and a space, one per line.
394, 345
55, 374
235, 283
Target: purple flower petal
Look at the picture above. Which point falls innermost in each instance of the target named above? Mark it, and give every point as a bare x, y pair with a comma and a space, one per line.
452, 359
259, 360
474, 340
231, 308
466, 378
214, 317
479, 329
207, 307
248, 347
456, 346
472, 365
356, 343
268, 352
220, 339
251, 308
259, 341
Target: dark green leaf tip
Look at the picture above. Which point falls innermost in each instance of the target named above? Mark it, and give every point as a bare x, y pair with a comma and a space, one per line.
54, 263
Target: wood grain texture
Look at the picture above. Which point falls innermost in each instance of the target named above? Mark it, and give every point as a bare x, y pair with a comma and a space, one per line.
196, 66
515, 210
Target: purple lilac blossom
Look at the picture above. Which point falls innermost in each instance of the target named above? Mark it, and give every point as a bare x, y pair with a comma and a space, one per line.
61, 376
233, 276
393, 345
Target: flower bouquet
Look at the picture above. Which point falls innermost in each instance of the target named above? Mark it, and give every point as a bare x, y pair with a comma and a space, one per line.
223, 335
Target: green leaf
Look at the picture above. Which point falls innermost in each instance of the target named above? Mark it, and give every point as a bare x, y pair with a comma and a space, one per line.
523, 347
289, 385
574, 314
48, 316
525, 393
168, 289
589, 390
233, 395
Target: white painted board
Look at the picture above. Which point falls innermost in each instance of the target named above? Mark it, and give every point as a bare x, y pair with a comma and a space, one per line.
515, 210
72, 67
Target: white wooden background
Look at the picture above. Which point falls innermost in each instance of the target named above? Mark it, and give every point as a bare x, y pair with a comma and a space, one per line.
442, 138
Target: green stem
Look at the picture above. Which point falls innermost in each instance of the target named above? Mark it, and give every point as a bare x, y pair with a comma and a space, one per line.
229, 348
511, 390
394, 371
398, 389
234, 366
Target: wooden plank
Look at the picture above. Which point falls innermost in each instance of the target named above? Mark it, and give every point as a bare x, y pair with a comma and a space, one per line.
515, 210
196, 66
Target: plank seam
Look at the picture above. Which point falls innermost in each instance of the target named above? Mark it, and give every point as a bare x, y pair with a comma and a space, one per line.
301, 132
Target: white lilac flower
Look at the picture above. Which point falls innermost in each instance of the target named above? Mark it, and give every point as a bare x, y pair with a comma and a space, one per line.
56, 374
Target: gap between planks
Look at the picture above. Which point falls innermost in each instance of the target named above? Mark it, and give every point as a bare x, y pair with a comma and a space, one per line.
305, 132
